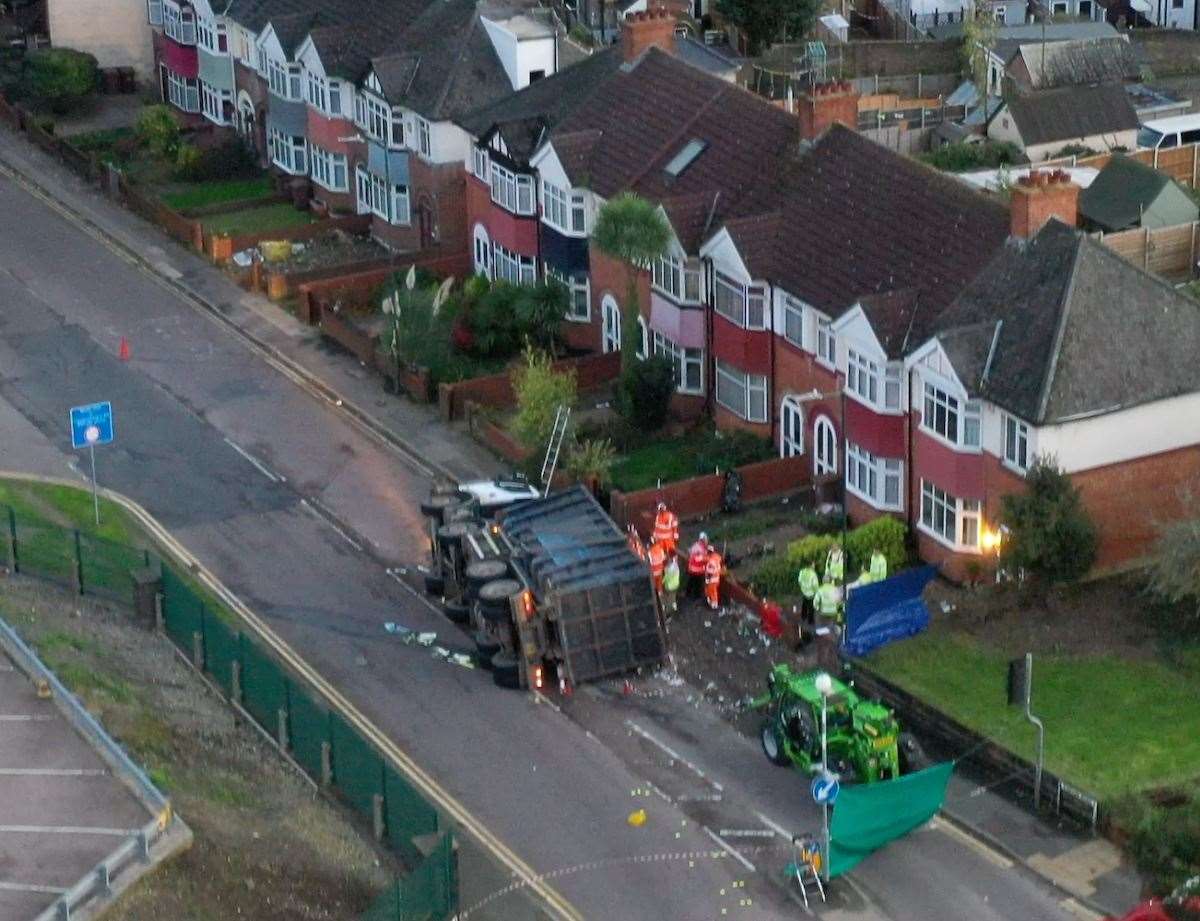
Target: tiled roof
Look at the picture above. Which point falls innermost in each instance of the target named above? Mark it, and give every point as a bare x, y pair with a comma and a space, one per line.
1072, 112
897, 319
1082, 331
848, 218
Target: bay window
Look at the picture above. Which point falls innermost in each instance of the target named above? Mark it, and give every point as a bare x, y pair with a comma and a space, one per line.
154, 9
554, 206
945, 415
513, 267
862, 376
329, 170
183, 92
875, 479
479, 163
826, 343
213, 102
687, 363
374, 118
743, 394
512, 191
288, 152
179, 23
376, 196
1016, 443
743, 305
951, 520
677, 278
397, 139
578, 290
318, 93
424, 145
793, 321
277, 79
891, 386
261, 54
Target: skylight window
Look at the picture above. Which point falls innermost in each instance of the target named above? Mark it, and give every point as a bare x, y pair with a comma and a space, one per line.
686, 157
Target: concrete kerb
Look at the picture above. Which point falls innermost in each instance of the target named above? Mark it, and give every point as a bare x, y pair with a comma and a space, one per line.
290, 368
557, 907
160, 838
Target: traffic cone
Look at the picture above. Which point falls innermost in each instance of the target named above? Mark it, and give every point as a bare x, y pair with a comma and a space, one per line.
123, 349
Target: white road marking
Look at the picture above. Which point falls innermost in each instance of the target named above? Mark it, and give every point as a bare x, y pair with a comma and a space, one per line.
53, 772
23, 718
748, 833
970, 841
778, 829
312, 510
28, 887
257, 464
67, 830
728, 848
1082, 912
674, 755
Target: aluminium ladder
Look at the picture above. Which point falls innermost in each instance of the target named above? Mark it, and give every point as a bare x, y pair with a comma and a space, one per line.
554, 447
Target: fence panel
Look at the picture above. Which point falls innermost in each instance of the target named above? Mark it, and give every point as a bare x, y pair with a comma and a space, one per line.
431, 890
105, 567
357, 769
183, 611
45, 551
222, 647
309, 729
408, 814
264, 687
386, 907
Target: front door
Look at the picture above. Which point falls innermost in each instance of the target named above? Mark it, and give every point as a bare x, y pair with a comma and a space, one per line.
611, 317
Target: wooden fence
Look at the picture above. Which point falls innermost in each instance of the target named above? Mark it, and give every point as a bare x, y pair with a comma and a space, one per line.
1169, 252
1180, 163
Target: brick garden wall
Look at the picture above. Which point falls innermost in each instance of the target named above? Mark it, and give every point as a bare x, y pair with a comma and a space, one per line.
496, 391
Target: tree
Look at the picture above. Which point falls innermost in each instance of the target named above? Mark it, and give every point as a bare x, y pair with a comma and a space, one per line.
767, 21
1050, 535
61, 78
540, 391
1174, 570
631, 230
644, 393
979, 37
540, 311
413, 321
158, 130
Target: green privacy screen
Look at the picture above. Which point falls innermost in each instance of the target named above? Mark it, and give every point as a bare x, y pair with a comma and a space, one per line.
868, 816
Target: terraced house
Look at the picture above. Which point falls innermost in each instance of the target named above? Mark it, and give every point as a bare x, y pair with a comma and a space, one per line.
356, 101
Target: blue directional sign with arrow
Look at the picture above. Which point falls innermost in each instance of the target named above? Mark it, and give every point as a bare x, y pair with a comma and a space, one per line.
825, 790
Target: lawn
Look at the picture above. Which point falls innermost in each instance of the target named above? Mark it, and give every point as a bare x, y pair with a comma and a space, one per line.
642, 467
1112, 726
201, 194
68, 507
257, 220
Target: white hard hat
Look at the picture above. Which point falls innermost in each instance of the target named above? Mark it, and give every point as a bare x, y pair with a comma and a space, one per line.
661, 506
704, 537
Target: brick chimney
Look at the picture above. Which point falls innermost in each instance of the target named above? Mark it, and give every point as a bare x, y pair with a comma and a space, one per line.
640, 31
826, 104
1041, 195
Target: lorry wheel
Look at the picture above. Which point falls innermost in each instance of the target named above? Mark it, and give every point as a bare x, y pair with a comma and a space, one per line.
482, 572
487, 648
434, 584
505, 671
438, 503
772, 745
458, 612
912, 755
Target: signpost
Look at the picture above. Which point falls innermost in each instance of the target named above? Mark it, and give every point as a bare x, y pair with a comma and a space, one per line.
825, 790
92, 425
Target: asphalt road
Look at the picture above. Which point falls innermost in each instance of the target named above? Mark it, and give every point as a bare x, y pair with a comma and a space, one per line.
300, 513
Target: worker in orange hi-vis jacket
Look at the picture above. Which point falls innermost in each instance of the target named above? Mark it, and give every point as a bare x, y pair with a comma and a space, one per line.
712, 579
658, 563
697, 557
666, 528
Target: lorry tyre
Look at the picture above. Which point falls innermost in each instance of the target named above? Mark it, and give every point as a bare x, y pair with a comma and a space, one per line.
458, 612
482, 572
486, 647
505, 671
912, 755
451, 535
435, 505
772, 744
434, 584
493, 597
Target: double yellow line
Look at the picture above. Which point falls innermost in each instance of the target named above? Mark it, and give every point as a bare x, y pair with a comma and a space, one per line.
560, 908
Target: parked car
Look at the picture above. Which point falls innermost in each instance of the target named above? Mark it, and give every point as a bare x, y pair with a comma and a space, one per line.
1165, 133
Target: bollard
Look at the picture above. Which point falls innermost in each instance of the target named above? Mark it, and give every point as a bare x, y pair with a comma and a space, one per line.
198, 650
235, 682
326, 764
77, 566
281, 729
102, 880
159, 620
377, 815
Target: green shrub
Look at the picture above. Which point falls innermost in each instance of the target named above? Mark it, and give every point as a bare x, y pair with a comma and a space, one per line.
591, 459
230, 159
722, 450
958, 158
540, 391
644, 393
885, 534
1174, 574
1164, 840
60, 78
158, 131
777, 575
1050, 535
187, 162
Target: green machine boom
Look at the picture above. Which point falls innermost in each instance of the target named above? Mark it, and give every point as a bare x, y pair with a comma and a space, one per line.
864, 739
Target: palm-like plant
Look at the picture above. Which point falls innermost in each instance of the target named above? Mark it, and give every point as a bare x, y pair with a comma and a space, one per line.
631, 230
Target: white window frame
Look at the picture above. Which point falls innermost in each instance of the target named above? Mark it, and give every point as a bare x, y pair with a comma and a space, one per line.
742, 305
513, 267
825, 447
295, 74
482, 251
179, 24
743, 384
183, 92
792, 327
578, 214
261, 59
556, 207
872, 478
610, 326
289, 153
643, 344
424, 144
206, 34
684, 361
863, 377
791, 427
579, 305
329, 170
318, 92
277, 78
375, 196
512, 191
1016, 444
480, 165
956, 523
212, 103
826, 343
375, 118
676, 278
154, 12
961, 426
893, 386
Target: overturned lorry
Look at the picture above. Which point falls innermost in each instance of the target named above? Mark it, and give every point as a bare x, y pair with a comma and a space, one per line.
548, 588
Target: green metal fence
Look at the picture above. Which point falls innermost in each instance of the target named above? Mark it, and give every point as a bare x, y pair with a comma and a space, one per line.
320, 741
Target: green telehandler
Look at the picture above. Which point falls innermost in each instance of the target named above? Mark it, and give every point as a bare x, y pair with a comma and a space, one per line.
864, 739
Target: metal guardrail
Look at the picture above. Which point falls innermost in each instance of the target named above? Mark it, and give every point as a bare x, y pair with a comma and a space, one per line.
136, 847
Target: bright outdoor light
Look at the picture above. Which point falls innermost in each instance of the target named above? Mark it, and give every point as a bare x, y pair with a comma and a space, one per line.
989, 540
824, 684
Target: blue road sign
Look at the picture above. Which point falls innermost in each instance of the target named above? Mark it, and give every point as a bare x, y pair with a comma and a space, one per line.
91, 425
825, 790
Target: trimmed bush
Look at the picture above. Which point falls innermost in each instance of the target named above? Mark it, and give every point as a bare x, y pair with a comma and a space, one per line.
777, 575
60, 78
644, 393
158, 131
884, 534
1051, 535
540, 390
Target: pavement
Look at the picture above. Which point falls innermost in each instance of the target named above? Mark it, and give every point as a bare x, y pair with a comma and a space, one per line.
61, 809
308, 512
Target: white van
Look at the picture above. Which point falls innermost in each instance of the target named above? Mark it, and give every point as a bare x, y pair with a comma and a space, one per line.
1163, 133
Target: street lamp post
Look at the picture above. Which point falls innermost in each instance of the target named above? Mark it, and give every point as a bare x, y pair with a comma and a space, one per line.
824, 686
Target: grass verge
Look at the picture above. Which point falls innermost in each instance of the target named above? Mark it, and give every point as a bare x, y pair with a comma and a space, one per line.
1112, 726
200, 194
257, 220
